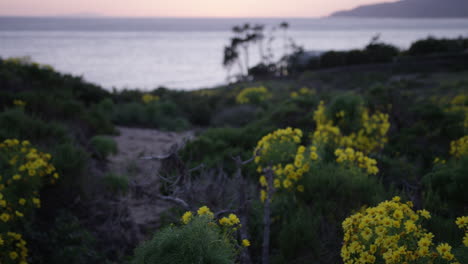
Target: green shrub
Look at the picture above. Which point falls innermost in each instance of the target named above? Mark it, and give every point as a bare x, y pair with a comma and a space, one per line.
432, 45
66, 241
352, 106
216, 146
196, 242
355, 57
162, 115
332, 59
104, 146
116, 183
381, 53
15, 123
449, 182
235, 116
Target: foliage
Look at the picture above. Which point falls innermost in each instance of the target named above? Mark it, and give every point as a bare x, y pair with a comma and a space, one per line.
253, 95
104, 146
282, 153
366, 132
392, 232
449, 182
116, 183
162, 115
23, 172
432, 45
197, 240
349, 157
67, 241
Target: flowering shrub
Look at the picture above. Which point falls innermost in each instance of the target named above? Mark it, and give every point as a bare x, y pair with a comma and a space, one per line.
200, 239
459, 148
253, 95
392, 232
459, 104
462, 223
370, 136
304, 91
280, 150
228, 224
149, 98
24, 169
19, 103
350, 157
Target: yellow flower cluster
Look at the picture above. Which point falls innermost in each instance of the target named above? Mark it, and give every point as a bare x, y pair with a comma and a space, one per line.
438, 160
287, 167
245, 243
19, 102
231, 220
459, 148
391, 233
228, 224
253, 95
202, 211
351, 157
462, 223
460, 104
371, 136
304, 91
23, 168
148, 98
13, 248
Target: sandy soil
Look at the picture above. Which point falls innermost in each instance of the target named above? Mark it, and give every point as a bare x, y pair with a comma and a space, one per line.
135, 144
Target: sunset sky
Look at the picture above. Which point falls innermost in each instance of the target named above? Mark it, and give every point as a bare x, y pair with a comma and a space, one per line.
179, 8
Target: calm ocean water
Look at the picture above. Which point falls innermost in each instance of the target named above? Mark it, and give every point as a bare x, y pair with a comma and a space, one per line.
146, 53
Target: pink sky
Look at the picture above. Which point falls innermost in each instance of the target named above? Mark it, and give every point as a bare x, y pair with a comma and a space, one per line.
180, 8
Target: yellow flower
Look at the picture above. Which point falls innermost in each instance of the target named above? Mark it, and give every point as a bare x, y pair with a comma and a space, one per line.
424, 214
16, 177
186, 217
204, 210
462, 222
300, 188
443, 248
22, 201
234, 219
245, 242
13, 255
37, 202
5, 217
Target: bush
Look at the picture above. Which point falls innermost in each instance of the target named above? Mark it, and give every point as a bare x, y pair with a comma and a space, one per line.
195, 242
332, 59
450, 182
352, 106
432, 45
104, 146
116, 183
162, 115
67, 241
381, 53
16, 123
235, 116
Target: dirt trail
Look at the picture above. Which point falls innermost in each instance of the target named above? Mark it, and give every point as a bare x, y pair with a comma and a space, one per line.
133, 144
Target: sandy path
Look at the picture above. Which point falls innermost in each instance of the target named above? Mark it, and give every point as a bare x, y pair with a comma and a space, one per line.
133, 144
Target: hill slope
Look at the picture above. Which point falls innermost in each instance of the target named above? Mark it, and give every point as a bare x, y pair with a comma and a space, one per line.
410, 9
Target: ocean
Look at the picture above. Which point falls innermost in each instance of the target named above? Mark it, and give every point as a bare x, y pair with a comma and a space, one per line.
186, 53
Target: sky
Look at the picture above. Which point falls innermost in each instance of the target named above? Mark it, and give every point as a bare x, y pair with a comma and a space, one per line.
179, 8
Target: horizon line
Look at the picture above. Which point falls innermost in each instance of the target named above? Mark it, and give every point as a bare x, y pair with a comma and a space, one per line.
165, 17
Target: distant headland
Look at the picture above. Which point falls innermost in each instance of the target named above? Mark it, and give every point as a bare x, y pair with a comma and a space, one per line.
411, 9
